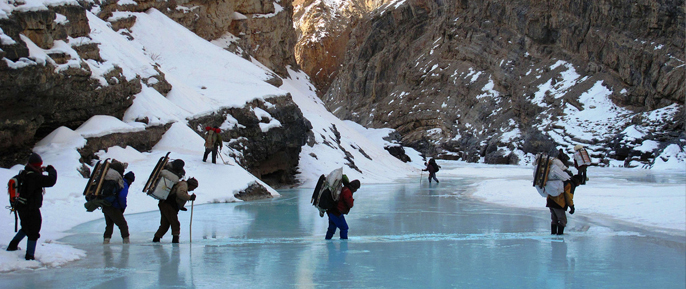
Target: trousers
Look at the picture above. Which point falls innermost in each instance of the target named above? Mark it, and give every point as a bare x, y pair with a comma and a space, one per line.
337, 222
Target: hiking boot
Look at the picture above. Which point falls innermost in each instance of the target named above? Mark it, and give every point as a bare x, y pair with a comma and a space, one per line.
30, 249
175, 239
560, 230
13, 246
127, 241
156, 239
553, 229
106, 240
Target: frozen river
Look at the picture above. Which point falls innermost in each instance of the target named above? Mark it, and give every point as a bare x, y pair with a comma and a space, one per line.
401, 236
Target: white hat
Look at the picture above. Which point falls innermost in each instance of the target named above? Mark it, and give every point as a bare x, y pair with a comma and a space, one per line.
578, 147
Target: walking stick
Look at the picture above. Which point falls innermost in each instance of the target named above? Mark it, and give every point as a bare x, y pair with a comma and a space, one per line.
421, 176
190, 229
220, 156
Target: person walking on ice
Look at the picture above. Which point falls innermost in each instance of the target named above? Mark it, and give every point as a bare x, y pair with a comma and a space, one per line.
554, 181
342, 207
30, 200
432, 168
114, 214
581, 162
169, 208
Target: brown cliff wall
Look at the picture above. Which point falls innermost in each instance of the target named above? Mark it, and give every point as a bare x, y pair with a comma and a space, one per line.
411, 68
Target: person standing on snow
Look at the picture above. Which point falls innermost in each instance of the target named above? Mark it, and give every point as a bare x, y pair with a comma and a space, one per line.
169, 208
432, 167
342, 207
30, 201
213, 141
114, 214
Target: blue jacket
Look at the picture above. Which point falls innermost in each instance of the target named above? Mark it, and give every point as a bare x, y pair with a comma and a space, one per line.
120, 202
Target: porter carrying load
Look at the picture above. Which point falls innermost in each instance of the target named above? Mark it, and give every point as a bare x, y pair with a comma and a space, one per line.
162, 179
104, 184
327, 191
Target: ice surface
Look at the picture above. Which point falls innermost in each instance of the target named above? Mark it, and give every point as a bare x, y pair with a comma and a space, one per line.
403, 235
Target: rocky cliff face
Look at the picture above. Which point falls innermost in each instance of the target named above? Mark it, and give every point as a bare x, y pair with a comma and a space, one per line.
264, 137
42, 92
487, 80
323, 29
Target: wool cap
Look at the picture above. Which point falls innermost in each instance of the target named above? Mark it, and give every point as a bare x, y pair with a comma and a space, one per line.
192, 184
578, 147
130, 176
178, 164
35, 158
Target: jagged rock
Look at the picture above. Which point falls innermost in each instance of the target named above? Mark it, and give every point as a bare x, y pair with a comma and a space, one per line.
85, 171
437, 70
398, 152
254, 191
323, 33
141, 141
270, 155
266, 33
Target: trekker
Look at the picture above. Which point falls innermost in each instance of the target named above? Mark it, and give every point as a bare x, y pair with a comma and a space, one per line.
432, 167
169, 208
342, 207
30, 201
581, 163
114, 214
562, 156
213, 141
559, 193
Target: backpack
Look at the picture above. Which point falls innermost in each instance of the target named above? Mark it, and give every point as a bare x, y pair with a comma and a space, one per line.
327, 191
14, 187
166, 182
110, 191
542, 163
433, 163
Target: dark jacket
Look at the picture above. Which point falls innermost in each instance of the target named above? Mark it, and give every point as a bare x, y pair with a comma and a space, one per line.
32, 186
432, 167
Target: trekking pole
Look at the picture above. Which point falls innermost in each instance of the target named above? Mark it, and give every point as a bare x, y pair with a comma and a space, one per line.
421, 176
190, 227
220, 156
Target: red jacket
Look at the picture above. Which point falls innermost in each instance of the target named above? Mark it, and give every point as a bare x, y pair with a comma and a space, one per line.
345, 201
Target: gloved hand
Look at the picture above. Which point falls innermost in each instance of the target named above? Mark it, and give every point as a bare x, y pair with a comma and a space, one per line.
193, 197
49, 168
571, 210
